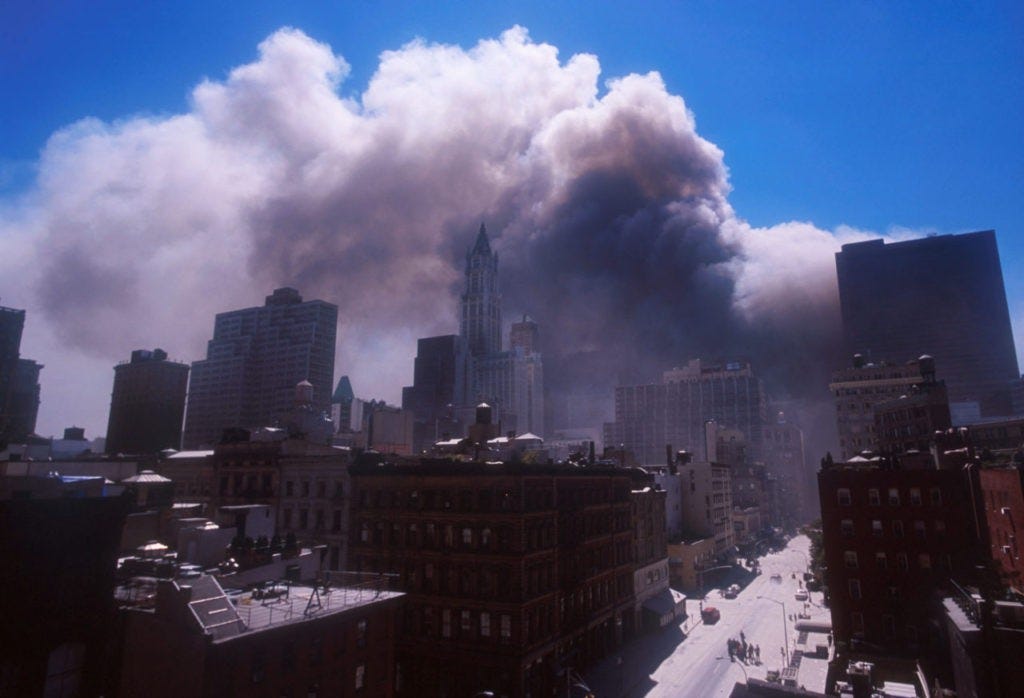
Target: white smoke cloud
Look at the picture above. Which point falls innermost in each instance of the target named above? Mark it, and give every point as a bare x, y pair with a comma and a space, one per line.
604, 200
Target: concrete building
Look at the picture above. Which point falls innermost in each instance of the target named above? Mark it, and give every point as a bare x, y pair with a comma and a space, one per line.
705, 502
389, 430
675, 411
515, 574
941, 294
908, 423
688, 559
255, 359
785, 457
655, 605
859, 387
147, 404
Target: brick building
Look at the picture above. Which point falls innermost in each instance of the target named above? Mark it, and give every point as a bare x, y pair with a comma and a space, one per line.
191, 639
1002, 498
147, 404
893, 539
515, 574
305, 484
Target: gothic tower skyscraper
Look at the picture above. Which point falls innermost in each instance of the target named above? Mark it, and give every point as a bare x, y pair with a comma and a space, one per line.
480, 322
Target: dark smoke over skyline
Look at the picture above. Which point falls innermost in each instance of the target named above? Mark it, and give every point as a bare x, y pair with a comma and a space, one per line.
609, 211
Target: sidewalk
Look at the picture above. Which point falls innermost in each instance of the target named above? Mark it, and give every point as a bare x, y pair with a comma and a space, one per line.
622, 672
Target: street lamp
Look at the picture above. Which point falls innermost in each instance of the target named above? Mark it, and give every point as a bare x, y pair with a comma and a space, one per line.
785, 629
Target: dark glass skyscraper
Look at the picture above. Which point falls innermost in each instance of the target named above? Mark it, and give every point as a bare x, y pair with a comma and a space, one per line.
941, 295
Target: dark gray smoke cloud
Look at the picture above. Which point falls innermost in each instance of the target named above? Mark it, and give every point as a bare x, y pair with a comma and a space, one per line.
609, 211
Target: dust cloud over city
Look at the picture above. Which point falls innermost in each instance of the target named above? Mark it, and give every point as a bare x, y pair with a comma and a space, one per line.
609, 212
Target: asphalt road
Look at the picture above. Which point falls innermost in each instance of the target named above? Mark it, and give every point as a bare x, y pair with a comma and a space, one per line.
692, 659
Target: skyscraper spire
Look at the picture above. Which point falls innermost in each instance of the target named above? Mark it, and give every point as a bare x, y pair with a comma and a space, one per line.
480, 323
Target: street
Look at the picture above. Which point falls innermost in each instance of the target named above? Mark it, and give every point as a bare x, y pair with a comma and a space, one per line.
671, 663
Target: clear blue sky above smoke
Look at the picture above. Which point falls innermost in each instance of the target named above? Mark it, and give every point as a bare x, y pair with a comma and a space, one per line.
872, 115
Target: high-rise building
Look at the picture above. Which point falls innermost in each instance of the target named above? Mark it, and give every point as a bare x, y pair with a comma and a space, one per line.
19, 380
254, 361
481, 302
942, 295
453, 374
147, 404
438, 387
675, 411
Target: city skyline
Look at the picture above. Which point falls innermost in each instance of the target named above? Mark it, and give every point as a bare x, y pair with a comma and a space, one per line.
76, 319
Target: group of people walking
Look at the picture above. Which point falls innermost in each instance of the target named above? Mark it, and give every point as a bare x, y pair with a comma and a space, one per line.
743, 651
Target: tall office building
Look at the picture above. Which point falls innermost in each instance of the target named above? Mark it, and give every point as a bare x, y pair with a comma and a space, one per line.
438, 387
940, 295
147, 403
19, 380
675, 411
480, 323
454, 373
256, 358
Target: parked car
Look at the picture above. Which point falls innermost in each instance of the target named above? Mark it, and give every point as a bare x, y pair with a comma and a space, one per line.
710, 615
732, 592
800, 595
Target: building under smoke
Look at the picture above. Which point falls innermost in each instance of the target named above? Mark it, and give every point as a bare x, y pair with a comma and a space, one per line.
675, 411
19, 381
942, 295
147, 403
256, 358
455, 373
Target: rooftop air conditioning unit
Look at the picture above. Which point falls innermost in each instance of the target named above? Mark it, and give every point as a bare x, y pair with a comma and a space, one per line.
1005, 511
1006, 550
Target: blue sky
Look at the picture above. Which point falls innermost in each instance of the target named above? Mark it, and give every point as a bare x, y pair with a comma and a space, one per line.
872, 115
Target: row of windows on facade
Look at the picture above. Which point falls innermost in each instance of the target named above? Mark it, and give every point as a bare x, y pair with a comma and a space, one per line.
470, 624
845, 498
534, 499
848, 529
484, 581
315, 655
924, 562
239, 484
450, 535
320, 520
338, 491
888, 627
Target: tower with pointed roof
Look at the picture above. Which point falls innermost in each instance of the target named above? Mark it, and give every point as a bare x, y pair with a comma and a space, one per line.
480, 319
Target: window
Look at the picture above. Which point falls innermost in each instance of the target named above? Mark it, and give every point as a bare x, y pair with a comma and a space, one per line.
506, 626
321, 489
850, 558
894, 497
289, 489
361, 633
336, 524
467, 536
64, 670
888, 625
364, 533
466, 622
936, 496
901, 561
857, 622
258, 667
876, 528
854, 587
303, 519
485, 537
893, 593
924, 561
485, 624
287, 518
843, 497
873, 497
846, 528
897, 528
915, 496
360, 676
940, 527
919, 529
449, 536
881, 561
305, 488
446, 623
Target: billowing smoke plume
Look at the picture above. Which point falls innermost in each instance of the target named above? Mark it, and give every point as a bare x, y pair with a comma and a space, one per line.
609, 211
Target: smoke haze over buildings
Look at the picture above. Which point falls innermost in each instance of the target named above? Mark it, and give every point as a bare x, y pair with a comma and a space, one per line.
609, 212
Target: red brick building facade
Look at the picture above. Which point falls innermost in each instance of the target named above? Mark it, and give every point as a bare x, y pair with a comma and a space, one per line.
892, 539
514, 573
1002, 495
